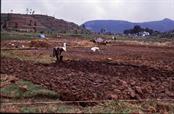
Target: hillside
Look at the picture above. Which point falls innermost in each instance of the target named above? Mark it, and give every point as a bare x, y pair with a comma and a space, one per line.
118, 26
37, 23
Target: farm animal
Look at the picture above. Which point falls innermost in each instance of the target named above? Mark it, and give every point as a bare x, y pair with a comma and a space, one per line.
12, 44
23, 46
113, 38
64, 46
94, 49
57, 51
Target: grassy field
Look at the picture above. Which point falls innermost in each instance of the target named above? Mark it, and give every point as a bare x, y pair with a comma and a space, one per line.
14, 54
17, 36
29, 36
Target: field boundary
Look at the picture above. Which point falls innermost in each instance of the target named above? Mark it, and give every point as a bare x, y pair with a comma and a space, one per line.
87, 101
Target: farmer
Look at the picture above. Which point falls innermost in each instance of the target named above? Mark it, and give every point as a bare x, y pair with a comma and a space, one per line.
57, 51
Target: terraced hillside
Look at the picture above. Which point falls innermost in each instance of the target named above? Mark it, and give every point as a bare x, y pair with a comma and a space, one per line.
37, 23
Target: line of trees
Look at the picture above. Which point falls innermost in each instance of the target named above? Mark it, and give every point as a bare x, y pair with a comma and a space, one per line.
138, 29
29, 11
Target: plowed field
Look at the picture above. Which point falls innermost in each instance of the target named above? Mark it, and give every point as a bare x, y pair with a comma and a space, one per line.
132, 72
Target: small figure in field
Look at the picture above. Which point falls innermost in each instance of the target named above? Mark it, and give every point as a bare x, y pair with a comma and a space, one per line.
94, 49
57, 52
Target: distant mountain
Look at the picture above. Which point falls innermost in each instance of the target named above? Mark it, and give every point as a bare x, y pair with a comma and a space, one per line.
38, 23
118, 26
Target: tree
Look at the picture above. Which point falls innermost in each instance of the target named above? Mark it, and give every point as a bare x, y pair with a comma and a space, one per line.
27, 10
30, 11
126, 31
83, 26
33, 12
149, 30
11, 11
137, 29
102, 30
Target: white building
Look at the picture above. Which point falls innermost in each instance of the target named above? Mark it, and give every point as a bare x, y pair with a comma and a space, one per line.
144, 33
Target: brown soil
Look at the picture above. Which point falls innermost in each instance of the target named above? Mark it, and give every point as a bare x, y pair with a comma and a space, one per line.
86, 80
134, 72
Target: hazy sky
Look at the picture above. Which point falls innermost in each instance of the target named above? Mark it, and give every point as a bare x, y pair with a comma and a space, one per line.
79, 11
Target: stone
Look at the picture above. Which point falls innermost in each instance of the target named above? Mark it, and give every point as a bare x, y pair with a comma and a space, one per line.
117, 90
138, 89
132, 83
112, 96
169, 93
131, 92
124, 83
23, 88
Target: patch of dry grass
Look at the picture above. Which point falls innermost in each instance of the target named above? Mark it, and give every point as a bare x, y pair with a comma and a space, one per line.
40, 43
123, 107
83, 43
144, 43
38, 58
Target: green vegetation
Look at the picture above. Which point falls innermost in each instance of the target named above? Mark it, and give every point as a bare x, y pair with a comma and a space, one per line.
121, 107
138, 29
15, 90
11, 90
17, 36
29, 36
113, 107
46, 59
28, 110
